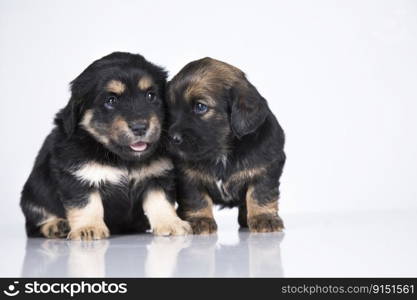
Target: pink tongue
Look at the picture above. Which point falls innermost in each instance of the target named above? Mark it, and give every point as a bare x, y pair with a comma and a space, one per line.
139, 146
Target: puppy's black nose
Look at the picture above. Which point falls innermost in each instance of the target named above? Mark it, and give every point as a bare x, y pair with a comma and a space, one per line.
176, 139
138, 128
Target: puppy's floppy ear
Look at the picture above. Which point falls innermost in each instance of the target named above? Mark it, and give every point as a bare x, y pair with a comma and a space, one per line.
248, 108
71, 114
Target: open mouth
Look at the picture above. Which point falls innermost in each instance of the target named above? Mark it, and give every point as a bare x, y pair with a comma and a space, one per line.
139, 146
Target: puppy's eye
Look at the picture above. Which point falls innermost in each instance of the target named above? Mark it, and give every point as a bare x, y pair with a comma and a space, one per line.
150, 96
110, 102
200, 108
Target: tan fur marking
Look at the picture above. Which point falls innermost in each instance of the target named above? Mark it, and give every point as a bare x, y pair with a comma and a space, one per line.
119, 126
51, 226
209, 114
155, 168
193, 174
88, 218
162, 215
245, 175
253, 207
198, 91
115, 86
194, 91
154, 127
145, 83
205, 212
86, 124
46, 224
211, 77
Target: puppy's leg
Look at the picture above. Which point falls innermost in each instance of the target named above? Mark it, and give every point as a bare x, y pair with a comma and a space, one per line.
161, 214
40, 204
262, 206
199, 212
87, 222
243, 216
41, 222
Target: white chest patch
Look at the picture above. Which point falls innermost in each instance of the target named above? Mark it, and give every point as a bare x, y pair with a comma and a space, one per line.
96, 174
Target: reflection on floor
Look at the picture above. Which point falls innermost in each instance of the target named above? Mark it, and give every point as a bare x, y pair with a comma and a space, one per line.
254, 255
356, 244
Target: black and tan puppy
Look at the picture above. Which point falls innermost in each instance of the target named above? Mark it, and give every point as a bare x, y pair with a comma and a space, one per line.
229, 147
103, 166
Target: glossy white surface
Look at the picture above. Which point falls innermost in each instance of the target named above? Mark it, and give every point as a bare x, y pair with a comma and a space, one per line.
365, 244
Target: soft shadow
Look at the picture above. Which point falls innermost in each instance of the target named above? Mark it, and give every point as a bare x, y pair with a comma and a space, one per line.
255, 255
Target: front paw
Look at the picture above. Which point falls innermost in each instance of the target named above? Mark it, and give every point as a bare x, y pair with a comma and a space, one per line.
265, 223
203, 225
172, 227
88, 233
56, 228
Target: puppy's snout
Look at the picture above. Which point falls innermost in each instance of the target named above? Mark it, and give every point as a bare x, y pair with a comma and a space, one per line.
139, 128
175, 138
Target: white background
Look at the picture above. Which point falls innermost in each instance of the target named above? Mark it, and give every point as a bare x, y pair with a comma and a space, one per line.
341, 77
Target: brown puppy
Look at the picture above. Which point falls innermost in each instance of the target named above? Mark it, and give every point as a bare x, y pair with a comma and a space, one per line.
228, 147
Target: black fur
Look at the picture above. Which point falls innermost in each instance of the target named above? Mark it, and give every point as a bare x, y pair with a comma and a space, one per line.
238, 134
52, 187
